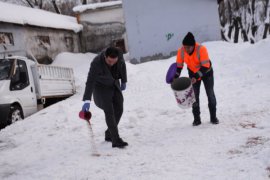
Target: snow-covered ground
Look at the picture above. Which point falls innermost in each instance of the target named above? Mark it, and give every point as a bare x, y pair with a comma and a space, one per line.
55, 144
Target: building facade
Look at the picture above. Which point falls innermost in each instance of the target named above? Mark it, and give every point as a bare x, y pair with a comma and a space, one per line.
103, 25
36, 33
155, 28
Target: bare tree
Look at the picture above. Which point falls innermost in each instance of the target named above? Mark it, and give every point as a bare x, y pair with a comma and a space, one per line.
57, 10
267, 21
40, 4
29, 3
93, 1
246, 20
34, 4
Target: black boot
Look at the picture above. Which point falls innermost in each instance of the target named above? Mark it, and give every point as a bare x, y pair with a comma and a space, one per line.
108, 139
119, 143
214, 120
197, 121
196, 113
108, 136
213, 116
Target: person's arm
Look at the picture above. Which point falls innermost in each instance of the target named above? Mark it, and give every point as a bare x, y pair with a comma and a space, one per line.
179, 62
202, 72
122, 67
89, 85
178, 72
123, 72
205, 63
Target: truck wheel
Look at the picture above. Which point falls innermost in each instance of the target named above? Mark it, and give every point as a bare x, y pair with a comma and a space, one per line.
15, 114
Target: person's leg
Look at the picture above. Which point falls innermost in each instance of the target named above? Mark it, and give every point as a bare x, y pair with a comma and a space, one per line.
111, 112
112, 130
118, 111
209, 88
118, 101
196, 105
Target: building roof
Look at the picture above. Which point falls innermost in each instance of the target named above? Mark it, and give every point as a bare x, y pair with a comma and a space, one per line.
82, 8
16, 14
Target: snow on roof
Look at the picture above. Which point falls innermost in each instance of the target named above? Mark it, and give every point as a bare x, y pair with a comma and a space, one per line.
83, 8
36, 17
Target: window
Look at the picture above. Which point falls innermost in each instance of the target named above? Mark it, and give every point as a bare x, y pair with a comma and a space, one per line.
120, 43
5, 68
6, 38
69, 43
20, 79
44, 41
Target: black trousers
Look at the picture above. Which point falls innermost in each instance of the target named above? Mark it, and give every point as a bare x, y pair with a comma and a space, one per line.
208, 81
113, 110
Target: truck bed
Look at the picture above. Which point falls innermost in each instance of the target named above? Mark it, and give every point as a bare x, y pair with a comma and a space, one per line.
54, 81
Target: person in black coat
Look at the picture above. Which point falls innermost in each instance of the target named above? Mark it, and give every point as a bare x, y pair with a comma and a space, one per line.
106, 70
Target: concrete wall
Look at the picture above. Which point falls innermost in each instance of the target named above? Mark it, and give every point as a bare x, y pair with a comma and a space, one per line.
17, 32
101, 28
104, 15
43, 43
59, 41
155, 28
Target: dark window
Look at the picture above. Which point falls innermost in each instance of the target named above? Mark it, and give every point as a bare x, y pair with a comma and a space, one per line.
120, 43
20, 78
6, 38
69, 43
5, 68
44, 41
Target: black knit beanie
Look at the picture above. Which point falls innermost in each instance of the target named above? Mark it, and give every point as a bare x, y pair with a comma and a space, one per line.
189, 40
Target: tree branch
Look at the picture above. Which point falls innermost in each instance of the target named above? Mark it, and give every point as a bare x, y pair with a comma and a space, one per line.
29, 3
56, 7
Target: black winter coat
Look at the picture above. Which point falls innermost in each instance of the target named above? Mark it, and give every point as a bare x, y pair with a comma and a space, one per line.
103, 80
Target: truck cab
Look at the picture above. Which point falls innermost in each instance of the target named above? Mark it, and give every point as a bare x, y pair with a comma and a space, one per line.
18, 96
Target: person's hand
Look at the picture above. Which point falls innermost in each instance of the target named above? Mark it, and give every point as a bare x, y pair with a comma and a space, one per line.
193, 80
86, 106
123, 86
176, 76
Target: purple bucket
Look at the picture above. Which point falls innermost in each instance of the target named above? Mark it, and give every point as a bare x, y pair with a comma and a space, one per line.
171, 73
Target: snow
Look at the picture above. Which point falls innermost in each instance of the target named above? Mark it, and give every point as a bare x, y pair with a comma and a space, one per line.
29, 16
82, 8
55, 144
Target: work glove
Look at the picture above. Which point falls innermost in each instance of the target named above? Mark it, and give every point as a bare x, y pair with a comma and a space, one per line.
176, 75
86, 106
193, 80
123, 86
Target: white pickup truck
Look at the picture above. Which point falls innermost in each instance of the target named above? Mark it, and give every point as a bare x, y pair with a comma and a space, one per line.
26, 87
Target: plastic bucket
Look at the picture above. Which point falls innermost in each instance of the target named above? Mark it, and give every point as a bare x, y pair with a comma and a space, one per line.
171, 73
183, 92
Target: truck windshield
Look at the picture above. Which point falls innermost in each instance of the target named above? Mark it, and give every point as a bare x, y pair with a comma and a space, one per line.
5, 68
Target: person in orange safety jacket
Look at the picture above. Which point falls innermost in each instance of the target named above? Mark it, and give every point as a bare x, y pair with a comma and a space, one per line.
199, 66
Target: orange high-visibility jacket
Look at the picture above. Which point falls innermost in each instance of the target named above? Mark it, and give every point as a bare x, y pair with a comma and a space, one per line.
194, 61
